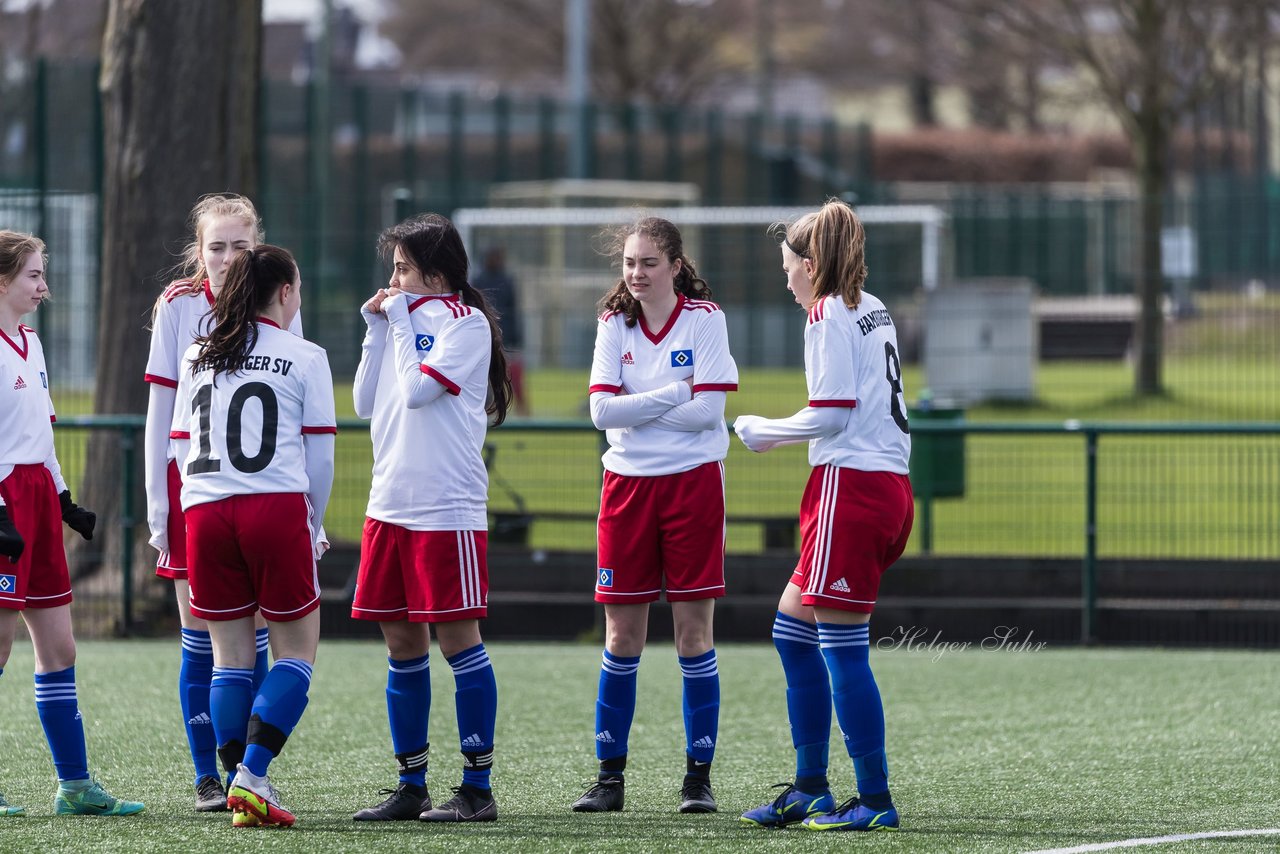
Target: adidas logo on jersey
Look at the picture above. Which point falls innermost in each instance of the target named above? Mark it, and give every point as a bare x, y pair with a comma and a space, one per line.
604, 737
705, 742
627, 359
473, 740
201, 719
839, 586
19, 384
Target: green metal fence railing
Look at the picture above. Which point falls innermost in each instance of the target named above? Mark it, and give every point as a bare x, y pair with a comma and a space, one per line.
1086, 492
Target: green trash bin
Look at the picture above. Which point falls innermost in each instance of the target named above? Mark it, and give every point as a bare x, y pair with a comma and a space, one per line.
937, 459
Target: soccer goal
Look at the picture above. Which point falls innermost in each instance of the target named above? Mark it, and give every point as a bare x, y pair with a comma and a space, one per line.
560, 258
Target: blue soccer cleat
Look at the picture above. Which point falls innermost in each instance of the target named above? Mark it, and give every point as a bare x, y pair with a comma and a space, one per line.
790, 807
854, 815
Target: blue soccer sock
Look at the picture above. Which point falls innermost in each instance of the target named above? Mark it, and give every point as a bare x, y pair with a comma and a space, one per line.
276, 711
615, 708
476, 699
63, 729
858, 707
230, 700
408, 709
701, 710
260, 664
194, 677
808, 698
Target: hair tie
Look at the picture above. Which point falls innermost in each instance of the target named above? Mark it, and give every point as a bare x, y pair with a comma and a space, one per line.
794, 251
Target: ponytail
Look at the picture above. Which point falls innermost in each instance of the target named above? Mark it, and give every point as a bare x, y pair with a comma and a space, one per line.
253, 280
500, 394
834, 240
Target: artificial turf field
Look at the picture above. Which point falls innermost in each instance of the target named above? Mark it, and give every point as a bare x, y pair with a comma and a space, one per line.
990, 751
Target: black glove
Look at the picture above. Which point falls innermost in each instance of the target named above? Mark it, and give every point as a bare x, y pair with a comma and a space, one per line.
77, 518
11, 543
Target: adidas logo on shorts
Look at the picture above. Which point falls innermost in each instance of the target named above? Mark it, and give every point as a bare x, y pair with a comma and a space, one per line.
19, 384
839, 586
705, 741
473, 740
604, 737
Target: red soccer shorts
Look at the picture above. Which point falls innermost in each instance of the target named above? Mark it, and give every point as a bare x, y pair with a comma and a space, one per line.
421, 576
173, 563
853, 526
250, 553
39, 579
664, 532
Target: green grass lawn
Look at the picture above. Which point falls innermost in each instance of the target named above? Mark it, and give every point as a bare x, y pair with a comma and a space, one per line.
990, 751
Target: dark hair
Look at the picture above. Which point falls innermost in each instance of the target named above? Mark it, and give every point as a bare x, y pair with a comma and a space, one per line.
666, 237
431, 243
253, 280
834, 240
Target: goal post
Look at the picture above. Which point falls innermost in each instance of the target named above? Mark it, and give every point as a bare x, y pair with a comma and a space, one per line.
562, 269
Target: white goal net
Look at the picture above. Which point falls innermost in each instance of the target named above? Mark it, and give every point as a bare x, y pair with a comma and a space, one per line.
561, 267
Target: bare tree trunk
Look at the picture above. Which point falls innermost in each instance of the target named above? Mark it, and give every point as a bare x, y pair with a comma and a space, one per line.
179, 103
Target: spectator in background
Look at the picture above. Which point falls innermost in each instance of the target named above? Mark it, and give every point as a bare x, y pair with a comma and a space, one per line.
500, 287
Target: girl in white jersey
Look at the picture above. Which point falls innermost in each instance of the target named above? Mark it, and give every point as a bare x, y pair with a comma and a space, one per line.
431, 376
855, 518
658, 381
255, 421
34, 501
222, 225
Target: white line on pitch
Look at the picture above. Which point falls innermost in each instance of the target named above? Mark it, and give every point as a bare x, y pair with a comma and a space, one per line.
1157, 840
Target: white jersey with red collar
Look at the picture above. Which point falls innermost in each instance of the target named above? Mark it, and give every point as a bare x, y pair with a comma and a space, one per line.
246, 427
26, 409
851, 360
428, 468
630, 360
183, 315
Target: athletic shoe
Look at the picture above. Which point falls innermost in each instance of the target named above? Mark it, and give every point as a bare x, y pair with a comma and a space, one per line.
7, 808
406, 803
469, 803
210, 796
244, 819
605, 795
695, 796
256, 796
853, 815
790, 807
89, 798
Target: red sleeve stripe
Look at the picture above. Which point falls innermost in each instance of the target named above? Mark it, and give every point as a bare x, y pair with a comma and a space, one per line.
818, 311
607, 389
449, 385
320, 430
158, 380
52, 418
848, 404
715, 387
179, 434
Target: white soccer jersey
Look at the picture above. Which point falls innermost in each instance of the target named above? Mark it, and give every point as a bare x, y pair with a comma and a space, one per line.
851, 360
425, 368
633, 360
183, 316
26, 410
246, 427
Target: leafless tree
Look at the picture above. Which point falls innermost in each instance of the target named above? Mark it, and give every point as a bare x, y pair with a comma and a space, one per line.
646, 51
179, 105
1153, 63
